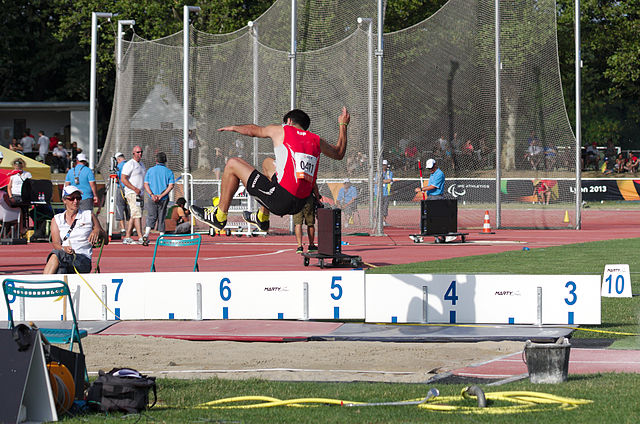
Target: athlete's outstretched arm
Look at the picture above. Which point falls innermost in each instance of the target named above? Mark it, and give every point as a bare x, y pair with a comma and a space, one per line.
338, 150
252, 130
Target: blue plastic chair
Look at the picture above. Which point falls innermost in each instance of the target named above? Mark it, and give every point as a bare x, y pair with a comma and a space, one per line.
178, 240
42, 289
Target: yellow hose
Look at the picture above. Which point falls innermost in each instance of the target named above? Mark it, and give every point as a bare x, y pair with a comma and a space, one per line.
523, 401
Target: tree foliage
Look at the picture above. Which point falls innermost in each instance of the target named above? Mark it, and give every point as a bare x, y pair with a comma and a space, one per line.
45, 47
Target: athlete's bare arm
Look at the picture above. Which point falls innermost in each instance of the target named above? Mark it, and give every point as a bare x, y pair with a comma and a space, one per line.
338, 150
274, 132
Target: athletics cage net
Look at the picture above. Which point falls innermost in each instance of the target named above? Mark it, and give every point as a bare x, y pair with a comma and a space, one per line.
439, 101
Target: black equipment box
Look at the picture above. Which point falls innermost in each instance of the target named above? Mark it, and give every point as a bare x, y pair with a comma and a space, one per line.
438, 216
329, 231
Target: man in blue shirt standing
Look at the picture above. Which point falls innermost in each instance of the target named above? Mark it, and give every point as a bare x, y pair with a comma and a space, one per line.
82, 177
435, 185
158, 182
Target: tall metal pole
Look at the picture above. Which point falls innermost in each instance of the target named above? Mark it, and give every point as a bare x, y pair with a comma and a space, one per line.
112, 178
253, 28
185, 98
292, 54
498, 66
121, 23
578, 119
369, 22
379, 55
292, 58
92, 89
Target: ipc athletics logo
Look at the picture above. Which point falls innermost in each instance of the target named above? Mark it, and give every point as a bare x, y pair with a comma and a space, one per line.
457, 190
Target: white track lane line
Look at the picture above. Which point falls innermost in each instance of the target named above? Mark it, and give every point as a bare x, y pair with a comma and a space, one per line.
247, 256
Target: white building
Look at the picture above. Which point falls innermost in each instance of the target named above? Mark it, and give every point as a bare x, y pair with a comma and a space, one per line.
70, 119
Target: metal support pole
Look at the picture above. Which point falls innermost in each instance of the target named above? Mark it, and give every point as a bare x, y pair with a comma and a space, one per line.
253, 30
425, 304
185, 98
578, 120
292, 58
379, 54
539, 307
92, 89
498, 66
292, 54
113, 183
369, 23
104, 302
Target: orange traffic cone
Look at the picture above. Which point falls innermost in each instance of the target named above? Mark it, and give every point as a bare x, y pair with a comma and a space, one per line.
486, 226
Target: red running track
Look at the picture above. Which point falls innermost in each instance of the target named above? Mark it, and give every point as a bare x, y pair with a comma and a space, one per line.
277, 252
581, 361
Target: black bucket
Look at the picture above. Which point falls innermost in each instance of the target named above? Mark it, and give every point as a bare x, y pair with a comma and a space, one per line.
548, 362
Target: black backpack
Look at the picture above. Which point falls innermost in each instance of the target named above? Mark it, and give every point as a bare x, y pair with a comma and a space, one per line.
122, 389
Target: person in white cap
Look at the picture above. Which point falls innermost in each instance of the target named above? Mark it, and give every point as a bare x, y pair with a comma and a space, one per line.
61, 157
82, 177
73, 233
435, 186
346, 200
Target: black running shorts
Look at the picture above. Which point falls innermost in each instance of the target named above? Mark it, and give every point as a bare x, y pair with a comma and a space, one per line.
272, 196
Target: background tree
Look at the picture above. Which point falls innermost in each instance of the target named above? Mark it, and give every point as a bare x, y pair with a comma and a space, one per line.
46, 46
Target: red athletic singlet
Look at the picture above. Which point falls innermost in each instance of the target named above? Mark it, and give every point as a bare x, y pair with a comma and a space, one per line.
297, 161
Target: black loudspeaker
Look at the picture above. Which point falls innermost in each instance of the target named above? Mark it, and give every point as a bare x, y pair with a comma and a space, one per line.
438, 216
329, 231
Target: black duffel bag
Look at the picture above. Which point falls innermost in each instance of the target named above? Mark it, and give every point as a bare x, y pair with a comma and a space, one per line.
122, 389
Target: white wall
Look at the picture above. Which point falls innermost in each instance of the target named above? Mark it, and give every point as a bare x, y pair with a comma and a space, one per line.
80, 129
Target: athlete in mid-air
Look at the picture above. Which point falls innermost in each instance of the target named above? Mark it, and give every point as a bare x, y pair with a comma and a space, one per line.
286, 181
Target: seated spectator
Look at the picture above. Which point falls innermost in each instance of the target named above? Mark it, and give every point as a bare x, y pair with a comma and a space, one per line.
632, 164
543, 192
180, 215
15, 145
14, 189
550, 157
620, 164
60, 157
347, 201
534, 154
73, 233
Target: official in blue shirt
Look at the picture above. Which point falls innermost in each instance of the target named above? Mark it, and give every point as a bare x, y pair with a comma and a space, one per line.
435, 185
121, 211
82, 177
158, 182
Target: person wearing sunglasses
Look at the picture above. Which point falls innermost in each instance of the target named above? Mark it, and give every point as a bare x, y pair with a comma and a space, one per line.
73, 233
133, 179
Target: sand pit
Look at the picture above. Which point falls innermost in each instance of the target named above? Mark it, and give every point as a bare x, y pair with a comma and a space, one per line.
297, 361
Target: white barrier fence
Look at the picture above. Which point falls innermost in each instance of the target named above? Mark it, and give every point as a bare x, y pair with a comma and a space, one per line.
324, 295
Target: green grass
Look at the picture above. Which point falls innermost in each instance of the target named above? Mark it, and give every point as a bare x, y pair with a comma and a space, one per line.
614, 399
618, 314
